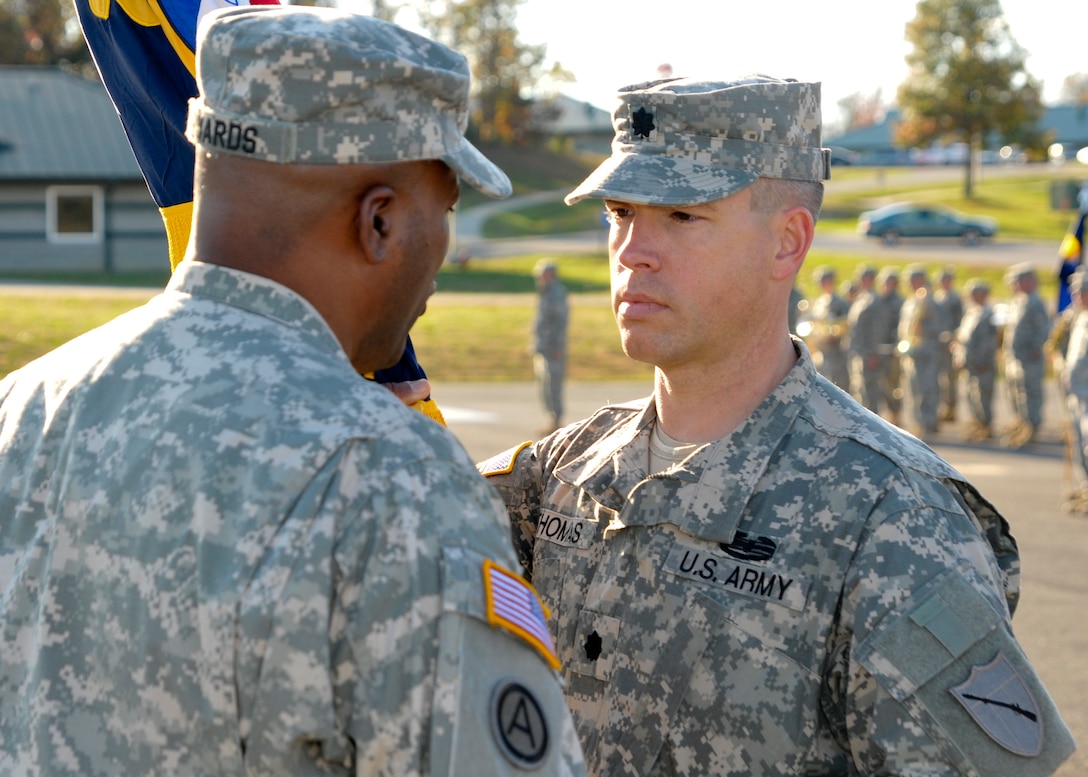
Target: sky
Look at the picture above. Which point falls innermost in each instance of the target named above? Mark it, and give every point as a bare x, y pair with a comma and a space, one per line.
850, 46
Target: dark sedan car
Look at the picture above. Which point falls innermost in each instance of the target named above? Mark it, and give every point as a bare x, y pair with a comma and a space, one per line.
894, 222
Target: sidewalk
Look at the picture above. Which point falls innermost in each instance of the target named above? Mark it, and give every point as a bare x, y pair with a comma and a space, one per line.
491, 417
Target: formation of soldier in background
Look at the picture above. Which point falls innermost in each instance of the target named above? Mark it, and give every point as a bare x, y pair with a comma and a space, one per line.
908, 346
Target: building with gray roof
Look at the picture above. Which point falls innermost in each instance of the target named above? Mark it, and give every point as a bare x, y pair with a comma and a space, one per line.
71, 194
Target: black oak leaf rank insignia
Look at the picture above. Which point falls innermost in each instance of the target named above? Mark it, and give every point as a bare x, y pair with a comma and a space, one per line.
642, 122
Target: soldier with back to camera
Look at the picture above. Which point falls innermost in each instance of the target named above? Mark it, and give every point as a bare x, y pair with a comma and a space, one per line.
223, 551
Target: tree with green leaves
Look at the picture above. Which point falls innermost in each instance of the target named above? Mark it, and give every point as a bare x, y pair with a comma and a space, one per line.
1075, 89
383, 9
503, 68
861, 110
967, 79
40, 32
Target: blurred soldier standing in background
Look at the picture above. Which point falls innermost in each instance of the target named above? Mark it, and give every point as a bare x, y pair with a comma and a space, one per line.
1073, 378
1025, 338
550, 340
976, 355
951, 309
889, 306
920, 343
865, 280
1057, 342
829, 330
866, 376
793, 314
849, 290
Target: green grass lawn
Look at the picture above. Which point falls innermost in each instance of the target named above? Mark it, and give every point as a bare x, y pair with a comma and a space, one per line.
31, 325
1020, 203
547, 219
581, 273
457, 340
465, 341
461, 337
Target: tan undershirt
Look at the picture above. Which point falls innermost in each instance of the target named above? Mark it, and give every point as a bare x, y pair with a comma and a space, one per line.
665, 451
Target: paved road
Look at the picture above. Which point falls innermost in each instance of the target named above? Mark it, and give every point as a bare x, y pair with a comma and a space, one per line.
1001, 252
1025, 485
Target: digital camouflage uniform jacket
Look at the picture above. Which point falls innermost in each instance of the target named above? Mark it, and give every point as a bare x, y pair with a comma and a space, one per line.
224, 552
550, 324
817, 593
1027, 328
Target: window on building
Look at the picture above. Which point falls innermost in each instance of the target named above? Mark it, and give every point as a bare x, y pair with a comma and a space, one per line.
74, 214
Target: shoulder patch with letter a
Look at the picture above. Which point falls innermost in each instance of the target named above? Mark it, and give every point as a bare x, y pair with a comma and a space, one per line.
519, 725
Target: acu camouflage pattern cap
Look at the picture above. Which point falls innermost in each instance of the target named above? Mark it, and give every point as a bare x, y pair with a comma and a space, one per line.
322, 86
887, 274
688, 142
916, 272
543, 266
1078, 281
976, 284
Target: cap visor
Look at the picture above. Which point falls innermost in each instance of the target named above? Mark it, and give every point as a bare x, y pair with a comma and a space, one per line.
477, 170
660, 180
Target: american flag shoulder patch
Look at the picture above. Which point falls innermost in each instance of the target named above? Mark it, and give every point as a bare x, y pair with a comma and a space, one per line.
502, 463
514, 605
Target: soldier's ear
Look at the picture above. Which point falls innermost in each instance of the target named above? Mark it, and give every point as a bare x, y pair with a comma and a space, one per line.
794, 228
376, 221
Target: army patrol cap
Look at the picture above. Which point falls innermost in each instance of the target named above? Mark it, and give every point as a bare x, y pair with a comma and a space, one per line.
1019, 272
299, 85
915, 271
687, 142
1078, 281
543, 266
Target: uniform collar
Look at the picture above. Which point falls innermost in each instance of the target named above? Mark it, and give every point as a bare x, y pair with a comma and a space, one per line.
255, 294
706, 494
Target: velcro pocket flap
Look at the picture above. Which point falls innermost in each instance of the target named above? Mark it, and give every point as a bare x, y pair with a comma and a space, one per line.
929, 631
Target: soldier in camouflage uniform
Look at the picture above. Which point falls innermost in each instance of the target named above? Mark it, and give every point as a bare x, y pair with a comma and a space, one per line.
1074, 382
889, 306
950, 306
865, 278
1026, 334
550, 340
920, 326
829, 333
223, 551
747, 573
975, 353
866, 377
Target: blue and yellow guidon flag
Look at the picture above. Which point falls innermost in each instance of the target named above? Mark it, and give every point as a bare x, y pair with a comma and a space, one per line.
145, 53
1071, 256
